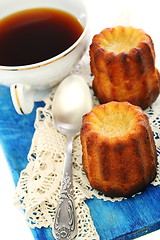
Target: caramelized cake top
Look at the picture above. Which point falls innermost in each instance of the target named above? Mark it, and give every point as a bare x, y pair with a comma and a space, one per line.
120, 39
115, 119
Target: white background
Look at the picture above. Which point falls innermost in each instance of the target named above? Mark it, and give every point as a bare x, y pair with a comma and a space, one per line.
103, 13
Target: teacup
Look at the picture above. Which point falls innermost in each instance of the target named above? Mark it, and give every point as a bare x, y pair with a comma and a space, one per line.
30, 83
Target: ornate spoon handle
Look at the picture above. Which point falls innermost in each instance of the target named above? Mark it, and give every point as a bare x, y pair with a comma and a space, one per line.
64, 226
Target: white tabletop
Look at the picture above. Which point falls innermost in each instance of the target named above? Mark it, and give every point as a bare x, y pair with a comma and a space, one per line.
102, 14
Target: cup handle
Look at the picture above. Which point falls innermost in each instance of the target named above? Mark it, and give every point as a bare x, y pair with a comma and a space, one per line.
22, 98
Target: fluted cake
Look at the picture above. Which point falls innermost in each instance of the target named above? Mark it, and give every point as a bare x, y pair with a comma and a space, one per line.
119, 153
122, 61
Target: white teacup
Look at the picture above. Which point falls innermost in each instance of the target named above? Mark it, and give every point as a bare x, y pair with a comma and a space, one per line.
29, 83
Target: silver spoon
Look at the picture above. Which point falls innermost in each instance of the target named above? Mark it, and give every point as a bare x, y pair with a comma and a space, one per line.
71, 101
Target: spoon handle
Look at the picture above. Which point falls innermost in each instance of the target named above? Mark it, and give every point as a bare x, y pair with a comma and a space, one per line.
64, 226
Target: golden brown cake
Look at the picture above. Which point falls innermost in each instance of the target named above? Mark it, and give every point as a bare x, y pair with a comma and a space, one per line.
123, 65
119, 153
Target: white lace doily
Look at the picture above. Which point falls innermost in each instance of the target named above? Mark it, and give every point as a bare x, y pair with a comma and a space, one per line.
38, 188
